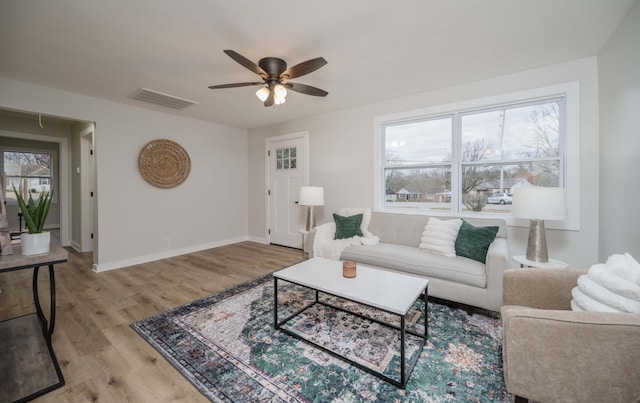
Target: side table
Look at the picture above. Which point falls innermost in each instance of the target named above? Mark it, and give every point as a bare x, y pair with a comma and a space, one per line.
551, 264
305, 247
28, 364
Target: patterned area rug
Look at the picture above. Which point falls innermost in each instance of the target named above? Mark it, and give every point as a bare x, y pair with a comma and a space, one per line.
226, 346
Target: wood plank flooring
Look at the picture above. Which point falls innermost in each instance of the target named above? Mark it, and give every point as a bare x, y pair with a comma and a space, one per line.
101, 357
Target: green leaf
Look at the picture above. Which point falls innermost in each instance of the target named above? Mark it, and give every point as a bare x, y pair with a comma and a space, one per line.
34, 214
45, 211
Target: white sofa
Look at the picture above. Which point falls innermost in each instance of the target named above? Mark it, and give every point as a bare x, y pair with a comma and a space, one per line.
457, 279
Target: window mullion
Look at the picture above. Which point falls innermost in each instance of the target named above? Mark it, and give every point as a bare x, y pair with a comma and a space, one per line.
510, 162
456, 159
563, 142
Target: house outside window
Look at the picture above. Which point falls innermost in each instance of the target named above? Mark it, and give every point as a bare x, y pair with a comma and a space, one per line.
30, 173
471, 160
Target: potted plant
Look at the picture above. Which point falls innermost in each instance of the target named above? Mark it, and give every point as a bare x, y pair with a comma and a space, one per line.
35, 214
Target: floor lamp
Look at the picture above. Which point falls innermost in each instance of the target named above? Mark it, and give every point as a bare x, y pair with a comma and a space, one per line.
311, 196
539, 204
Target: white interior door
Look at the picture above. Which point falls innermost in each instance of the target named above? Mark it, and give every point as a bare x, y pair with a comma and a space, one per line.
287, 172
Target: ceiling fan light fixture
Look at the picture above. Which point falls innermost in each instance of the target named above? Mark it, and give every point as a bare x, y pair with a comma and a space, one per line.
279, 94
280, 91
263, 93
273, 72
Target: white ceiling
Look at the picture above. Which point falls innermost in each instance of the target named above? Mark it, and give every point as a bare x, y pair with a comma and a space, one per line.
376, 49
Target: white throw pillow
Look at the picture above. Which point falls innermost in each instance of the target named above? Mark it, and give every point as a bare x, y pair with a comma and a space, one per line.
366, 216
439, 236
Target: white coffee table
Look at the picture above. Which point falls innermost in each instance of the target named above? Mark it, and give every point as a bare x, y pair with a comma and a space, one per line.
391, 292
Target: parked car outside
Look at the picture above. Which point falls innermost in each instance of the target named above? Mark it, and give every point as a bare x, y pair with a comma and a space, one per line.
500, 198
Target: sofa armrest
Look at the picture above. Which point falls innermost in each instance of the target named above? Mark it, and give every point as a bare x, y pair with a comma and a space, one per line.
555, 355
496, 264
540, 288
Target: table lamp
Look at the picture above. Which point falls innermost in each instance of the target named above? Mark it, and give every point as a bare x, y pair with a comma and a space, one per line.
311, 196
539, 204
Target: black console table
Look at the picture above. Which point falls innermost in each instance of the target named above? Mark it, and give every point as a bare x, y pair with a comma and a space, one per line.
28, 365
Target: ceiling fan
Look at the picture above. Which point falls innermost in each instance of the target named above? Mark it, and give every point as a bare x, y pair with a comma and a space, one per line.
274, 73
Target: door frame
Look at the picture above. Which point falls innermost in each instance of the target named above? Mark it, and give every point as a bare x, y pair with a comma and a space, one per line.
304, 135
88, 236
63, 177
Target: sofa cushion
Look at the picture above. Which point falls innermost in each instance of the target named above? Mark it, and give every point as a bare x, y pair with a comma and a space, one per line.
411, 260
439, 236
473, 242
347, 227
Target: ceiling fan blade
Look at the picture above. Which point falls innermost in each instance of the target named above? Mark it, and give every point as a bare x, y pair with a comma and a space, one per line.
303, 68
215, 87
306, 89
270, 99
246, 63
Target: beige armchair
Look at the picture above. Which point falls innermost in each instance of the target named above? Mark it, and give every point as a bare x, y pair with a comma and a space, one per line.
552, 354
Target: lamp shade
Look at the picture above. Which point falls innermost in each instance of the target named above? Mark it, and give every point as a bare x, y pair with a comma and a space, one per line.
539, 203
311, 196
263, 93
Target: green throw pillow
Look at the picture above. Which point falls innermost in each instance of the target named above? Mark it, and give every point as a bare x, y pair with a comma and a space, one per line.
473, 242
347, 227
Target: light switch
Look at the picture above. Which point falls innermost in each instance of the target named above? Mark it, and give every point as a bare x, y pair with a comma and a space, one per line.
78, 170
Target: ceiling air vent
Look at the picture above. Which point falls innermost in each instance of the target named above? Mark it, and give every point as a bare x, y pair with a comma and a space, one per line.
159, 98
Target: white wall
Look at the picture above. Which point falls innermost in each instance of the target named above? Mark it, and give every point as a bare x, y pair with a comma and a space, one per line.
135, 218
619, 78
341, 153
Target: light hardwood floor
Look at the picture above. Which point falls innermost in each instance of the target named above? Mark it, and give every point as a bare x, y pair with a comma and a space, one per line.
101, 357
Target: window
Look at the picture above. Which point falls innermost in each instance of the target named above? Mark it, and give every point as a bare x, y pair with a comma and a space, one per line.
30, 172
418, 161
286, 158
471, 160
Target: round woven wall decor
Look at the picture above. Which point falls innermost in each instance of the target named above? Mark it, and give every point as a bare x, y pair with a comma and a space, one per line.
164, 163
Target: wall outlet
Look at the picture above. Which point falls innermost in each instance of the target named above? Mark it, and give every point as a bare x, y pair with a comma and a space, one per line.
166, 241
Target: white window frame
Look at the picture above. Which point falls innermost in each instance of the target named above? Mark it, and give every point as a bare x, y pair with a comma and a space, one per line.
54, 162
570, 147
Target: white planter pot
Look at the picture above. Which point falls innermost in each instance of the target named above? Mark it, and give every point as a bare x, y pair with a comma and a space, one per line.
35, 244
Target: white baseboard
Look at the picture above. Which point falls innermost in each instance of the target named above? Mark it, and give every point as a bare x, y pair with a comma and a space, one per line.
101, 267
259, 240
75, 246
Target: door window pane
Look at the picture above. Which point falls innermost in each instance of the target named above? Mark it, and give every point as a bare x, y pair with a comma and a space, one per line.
30, 173
286, 158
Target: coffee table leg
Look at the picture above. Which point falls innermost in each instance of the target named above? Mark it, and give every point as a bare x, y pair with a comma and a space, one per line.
275, 303
403, 381
426, 314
